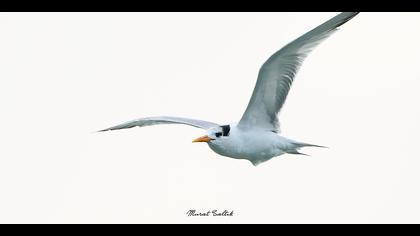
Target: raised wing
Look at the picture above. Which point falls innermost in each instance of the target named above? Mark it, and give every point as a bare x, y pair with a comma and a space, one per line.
277, 73
157, 120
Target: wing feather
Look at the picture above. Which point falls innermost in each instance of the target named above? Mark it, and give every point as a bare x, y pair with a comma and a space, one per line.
157, 120
278, 72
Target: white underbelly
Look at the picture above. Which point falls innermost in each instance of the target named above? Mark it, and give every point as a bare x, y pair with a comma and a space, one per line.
262, 148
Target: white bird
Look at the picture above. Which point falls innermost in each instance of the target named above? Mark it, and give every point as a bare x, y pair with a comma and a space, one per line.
256, 137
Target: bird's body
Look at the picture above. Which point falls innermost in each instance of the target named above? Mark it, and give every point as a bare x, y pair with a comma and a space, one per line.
254, 145
256, 137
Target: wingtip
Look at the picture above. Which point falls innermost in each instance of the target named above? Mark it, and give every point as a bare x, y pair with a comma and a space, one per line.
355, 13
102, 130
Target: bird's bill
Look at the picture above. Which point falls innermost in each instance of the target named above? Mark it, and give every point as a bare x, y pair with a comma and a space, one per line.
204, 138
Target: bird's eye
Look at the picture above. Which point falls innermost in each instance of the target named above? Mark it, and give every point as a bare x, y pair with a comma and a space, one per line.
218, 134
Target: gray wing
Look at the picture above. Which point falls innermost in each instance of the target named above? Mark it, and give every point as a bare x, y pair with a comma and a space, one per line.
157, 120
277, 73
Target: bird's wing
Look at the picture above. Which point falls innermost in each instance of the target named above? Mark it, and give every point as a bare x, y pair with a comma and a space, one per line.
277, 73
163, 120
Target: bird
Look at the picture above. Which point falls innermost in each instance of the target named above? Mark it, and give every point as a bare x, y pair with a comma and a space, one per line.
257, 137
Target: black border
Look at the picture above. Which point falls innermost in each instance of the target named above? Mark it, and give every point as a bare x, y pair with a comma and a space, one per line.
215, 6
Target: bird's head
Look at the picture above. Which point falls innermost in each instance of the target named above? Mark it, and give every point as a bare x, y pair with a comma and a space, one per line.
214, 134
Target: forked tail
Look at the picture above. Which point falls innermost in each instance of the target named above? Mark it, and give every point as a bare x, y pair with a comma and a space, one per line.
299, 145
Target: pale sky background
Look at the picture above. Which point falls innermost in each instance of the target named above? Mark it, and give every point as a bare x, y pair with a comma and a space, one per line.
65, 75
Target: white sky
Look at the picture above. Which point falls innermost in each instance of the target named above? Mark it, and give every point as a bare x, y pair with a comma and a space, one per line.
65, 75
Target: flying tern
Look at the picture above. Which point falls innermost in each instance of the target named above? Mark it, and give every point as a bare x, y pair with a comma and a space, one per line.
256, 137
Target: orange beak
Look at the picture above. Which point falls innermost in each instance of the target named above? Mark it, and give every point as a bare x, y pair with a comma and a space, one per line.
204, 138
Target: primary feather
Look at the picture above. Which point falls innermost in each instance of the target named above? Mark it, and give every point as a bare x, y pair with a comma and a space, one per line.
278, 72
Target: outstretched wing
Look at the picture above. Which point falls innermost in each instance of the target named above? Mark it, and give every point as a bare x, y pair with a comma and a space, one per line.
277, 73
157, 120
